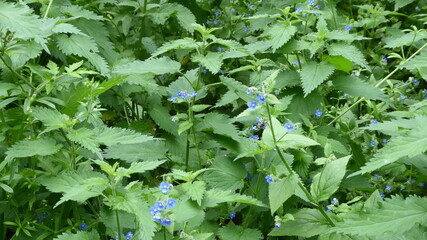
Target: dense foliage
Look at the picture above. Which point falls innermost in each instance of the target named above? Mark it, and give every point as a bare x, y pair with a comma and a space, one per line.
213, 119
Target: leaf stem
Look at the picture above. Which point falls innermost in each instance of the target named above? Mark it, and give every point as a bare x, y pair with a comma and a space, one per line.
48, 9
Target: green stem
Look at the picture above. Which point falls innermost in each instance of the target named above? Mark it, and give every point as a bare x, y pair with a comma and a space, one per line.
118, 223
333, 13
17, 74
48, 9
187, 151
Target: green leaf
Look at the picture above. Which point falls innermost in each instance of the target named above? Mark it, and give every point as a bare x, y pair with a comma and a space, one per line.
186, 210
279, 191
76, 186
38, 147
418, 61
239, 233
280, 34
219, 124
401, 3
226, 174
140, 167
160, 114
156, 66
185, 43
339, 62
307, 223
51, 118
200, 107
215, 196
19, 18
67, 28
395, 215
348, 51
148, 151
184, 126
358, 88
328, 180
212, 61
313, 74
407, 144
77, 11
80, 235
195, 190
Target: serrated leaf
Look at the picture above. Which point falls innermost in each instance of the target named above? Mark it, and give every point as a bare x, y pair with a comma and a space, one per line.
401, 3
160, 114
280, 34
78, 11
156, 66
340, 63
348, 51
356, 87
140, 167
313, 74
226, 174
76, 186
185, 43
67, 28
280, 191
51, 118
328, 180
215, 196
19, 18
38, 147
395, 215
184, 126
79, 235
212, 61
418, 61
148, 151
239, 233
219, 124
307, 223
195, 190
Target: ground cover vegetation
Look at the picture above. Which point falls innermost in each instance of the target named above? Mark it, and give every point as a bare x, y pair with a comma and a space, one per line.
213, 119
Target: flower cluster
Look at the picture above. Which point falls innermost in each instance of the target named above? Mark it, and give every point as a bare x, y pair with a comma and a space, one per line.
160, 210
262, 98
269, 179
182, 95
261, 124
128, 236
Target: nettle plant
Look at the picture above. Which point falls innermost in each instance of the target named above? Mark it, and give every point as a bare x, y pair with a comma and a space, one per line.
213, 120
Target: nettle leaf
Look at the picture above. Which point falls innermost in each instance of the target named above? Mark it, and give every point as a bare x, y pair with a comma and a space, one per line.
51, 118
195, 190
187, 210
184, 16
160, 114
19, 18
226, 174
358, 88
313, 74
184, 43
348, 51
67, 28
215, 196
280, 34
23, 51
327, 182
156, 66
239, 233
77, 11
148, 151
139, 167
401, 3
219, 124
212, 61
79, 235
285, 139
76, 186
408, 144
28, 148
419, 61
279, 191
395, 215
307, 223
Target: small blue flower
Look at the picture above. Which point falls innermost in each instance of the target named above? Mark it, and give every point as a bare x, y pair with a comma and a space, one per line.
259, 120
373, 143
181, 94
347, 27
252, 105
172, 99
311, 2
219, 49
310, 180
421, 184
222, 72
82, 226
297, 63
289, 127
193, 93
385, 140
261, 98
165, 222
170, 203
205, 71
215, 22
382, 195
217, 12
165, 187
318, 113
376, 176
207, 22
154, 211
375, 121
129, 236
277, 225
328, 208
388, 187
417, 8
345, 95
334, 201
384, 59
233, 11
269, 179
255, 127
249, 91
402, 96
250, 176
318, 7
159, 206
250, 6
356, 73
300, 9
415, 81
254, 137
232, 215
245, 29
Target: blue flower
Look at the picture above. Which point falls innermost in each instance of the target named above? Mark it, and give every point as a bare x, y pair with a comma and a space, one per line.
250, 6
384, 59
254, 127
310, 180
415, 81
249, 91
385, 140
334, 201
318, 7
269, 179
311, 2
172, 99
219, 49
289, 127
402, 96
252, 105
165, 222
388, 187
300, 9
250, 176
347, 27
207, 21
181, 94
382, 195
165, 186
376, 176
154, 211
277, 225
373, 143
297, 63
215, 22
129, 235
245, 29
261, 98
345, 95
159, 206
232, 215
417, 8
421, 184
233, 11
254, 137
374, 121
217, 12
328, 208
83, 226
170, 203
318, 113
193, 93
356, 73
